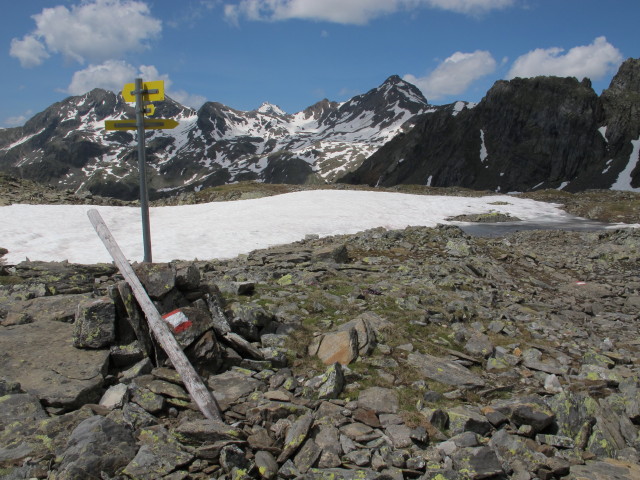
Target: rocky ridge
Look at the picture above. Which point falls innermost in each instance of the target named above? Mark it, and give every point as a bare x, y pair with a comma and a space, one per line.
418, 353
66, 145
525, 134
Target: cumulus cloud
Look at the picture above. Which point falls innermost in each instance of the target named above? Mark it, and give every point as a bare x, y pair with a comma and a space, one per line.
188, 99
112, 75
593, 61
30, 51
18, 119
92, 31
455, 74
358, 12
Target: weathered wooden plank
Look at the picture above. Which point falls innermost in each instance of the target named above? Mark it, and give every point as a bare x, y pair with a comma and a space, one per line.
192, 381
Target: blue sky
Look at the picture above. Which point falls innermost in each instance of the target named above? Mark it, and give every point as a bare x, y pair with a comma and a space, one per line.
294, 53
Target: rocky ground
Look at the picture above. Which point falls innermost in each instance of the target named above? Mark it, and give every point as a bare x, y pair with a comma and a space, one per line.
419, 353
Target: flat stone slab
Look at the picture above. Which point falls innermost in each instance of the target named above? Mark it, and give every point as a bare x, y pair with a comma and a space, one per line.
609, 469
41, 357
229, 386
444, 371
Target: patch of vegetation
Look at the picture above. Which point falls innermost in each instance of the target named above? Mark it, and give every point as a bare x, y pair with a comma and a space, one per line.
10, 280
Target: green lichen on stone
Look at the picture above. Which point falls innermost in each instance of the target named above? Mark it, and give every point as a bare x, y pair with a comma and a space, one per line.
285, 280
46, 441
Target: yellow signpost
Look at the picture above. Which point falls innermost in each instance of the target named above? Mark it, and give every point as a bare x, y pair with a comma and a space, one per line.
142, 93
153, 91
149, 124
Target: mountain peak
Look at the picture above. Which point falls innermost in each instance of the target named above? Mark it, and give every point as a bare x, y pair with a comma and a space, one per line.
271, 109
627, 78
394, 80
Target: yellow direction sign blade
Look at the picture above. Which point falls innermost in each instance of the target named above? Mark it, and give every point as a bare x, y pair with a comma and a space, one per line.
156, 86
120, 125
149, 124
154, 123
149, 109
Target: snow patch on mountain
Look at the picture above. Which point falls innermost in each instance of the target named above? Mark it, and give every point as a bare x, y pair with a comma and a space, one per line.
68, 145
624, 178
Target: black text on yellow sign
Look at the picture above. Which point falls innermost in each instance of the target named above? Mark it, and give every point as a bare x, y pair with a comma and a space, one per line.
149, 124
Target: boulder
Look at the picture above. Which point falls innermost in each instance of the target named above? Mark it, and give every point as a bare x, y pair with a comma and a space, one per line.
40, 356
295, 437
158, 279
477, 462
607, 469
95, 324
159, 455
97, 446
379, 399
340, 347
330, 384
444, 371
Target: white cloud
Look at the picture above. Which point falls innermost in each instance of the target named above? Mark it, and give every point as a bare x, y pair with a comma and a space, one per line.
357, 12
188, 99
455, 74
18, 119
92, 31
112, 75
470, 6
593, 61
30, 51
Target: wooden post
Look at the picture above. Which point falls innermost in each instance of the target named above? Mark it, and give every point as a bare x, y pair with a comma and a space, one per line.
192, 381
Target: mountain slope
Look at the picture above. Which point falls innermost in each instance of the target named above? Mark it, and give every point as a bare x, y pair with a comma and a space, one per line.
525, 134
66, 145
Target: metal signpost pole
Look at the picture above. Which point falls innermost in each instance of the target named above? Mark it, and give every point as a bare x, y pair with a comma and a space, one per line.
144, 195
143, 92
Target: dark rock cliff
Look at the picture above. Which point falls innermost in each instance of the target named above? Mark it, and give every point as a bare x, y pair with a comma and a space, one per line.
543, 132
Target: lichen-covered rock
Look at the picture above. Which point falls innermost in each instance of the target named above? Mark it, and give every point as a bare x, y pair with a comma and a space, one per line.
97, 445
158, 279
266, 464
330, 384
444, 371
159, 455
295, 436
477, 462
94, 325
379, 399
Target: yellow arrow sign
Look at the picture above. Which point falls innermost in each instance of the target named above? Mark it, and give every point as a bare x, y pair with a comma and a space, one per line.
149, 124
152, 91
149, 109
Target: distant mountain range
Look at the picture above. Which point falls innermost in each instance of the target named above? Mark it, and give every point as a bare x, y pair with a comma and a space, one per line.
525, 134
67, 146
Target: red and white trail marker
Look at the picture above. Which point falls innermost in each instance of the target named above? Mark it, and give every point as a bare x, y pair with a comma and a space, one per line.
177, 320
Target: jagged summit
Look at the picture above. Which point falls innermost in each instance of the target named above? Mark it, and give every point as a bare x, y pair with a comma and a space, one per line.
271, 109
525, 134
66, 145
